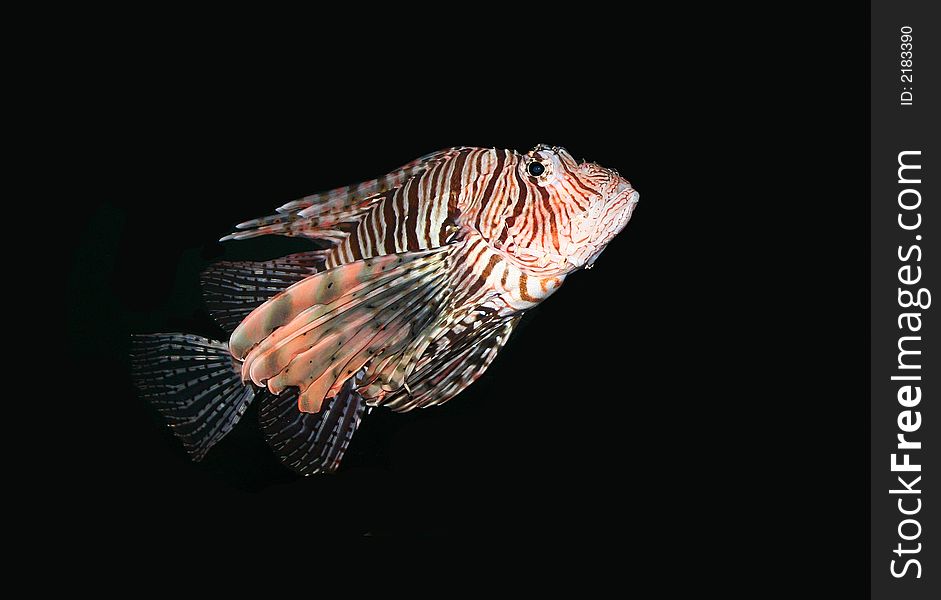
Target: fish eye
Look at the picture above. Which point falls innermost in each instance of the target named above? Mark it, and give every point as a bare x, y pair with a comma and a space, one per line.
536, 168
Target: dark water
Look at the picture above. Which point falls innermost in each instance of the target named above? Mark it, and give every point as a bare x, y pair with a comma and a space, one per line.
553, 411
631, 403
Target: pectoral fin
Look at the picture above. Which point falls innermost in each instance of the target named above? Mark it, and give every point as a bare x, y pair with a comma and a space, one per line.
367, 317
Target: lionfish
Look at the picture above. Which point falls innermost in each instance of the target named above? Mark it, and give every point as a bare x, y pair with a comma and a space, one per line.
425, 274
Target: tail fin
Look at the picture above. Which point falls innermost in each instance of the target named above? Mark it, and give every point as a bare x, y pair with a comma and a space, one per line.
195, 385
311, 443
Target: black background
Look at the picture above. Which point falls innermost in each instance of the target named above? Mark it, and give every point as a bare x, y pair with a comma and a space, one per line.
670, 398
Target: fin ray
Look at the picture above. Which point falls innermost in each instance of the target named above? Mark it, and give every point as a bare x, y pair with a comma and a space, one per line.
233, 289
192, 382
322, 331
311, 443
321, 216
451, 363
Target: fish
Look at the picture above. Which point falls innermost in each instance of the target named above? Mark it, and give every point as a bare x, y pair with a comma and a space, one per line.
418, 280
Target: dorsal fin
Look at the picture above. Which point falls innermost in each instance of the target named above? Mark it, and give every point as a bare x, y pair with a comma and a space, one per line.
321, 216
234, 289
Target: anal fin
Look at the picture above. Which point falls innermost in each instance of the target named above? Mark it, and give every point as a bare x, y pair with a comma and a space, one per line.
311, 443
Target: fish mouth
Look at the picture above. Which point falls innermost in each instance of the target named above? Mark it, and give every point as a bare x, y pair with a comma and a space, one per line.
627, 200
632, 197
620, 206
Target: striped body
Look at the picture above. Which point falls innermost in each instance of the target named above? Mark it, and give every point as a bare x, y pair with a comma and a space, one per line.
512, 238
425, 274
515, 230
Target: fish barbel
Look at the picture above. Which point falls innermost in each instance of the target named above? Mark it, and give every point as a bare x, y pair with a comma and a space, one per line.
426, 273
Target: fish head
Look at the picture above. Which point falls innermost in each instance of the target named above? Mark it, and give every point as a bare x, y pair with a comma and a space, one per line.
593, 204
